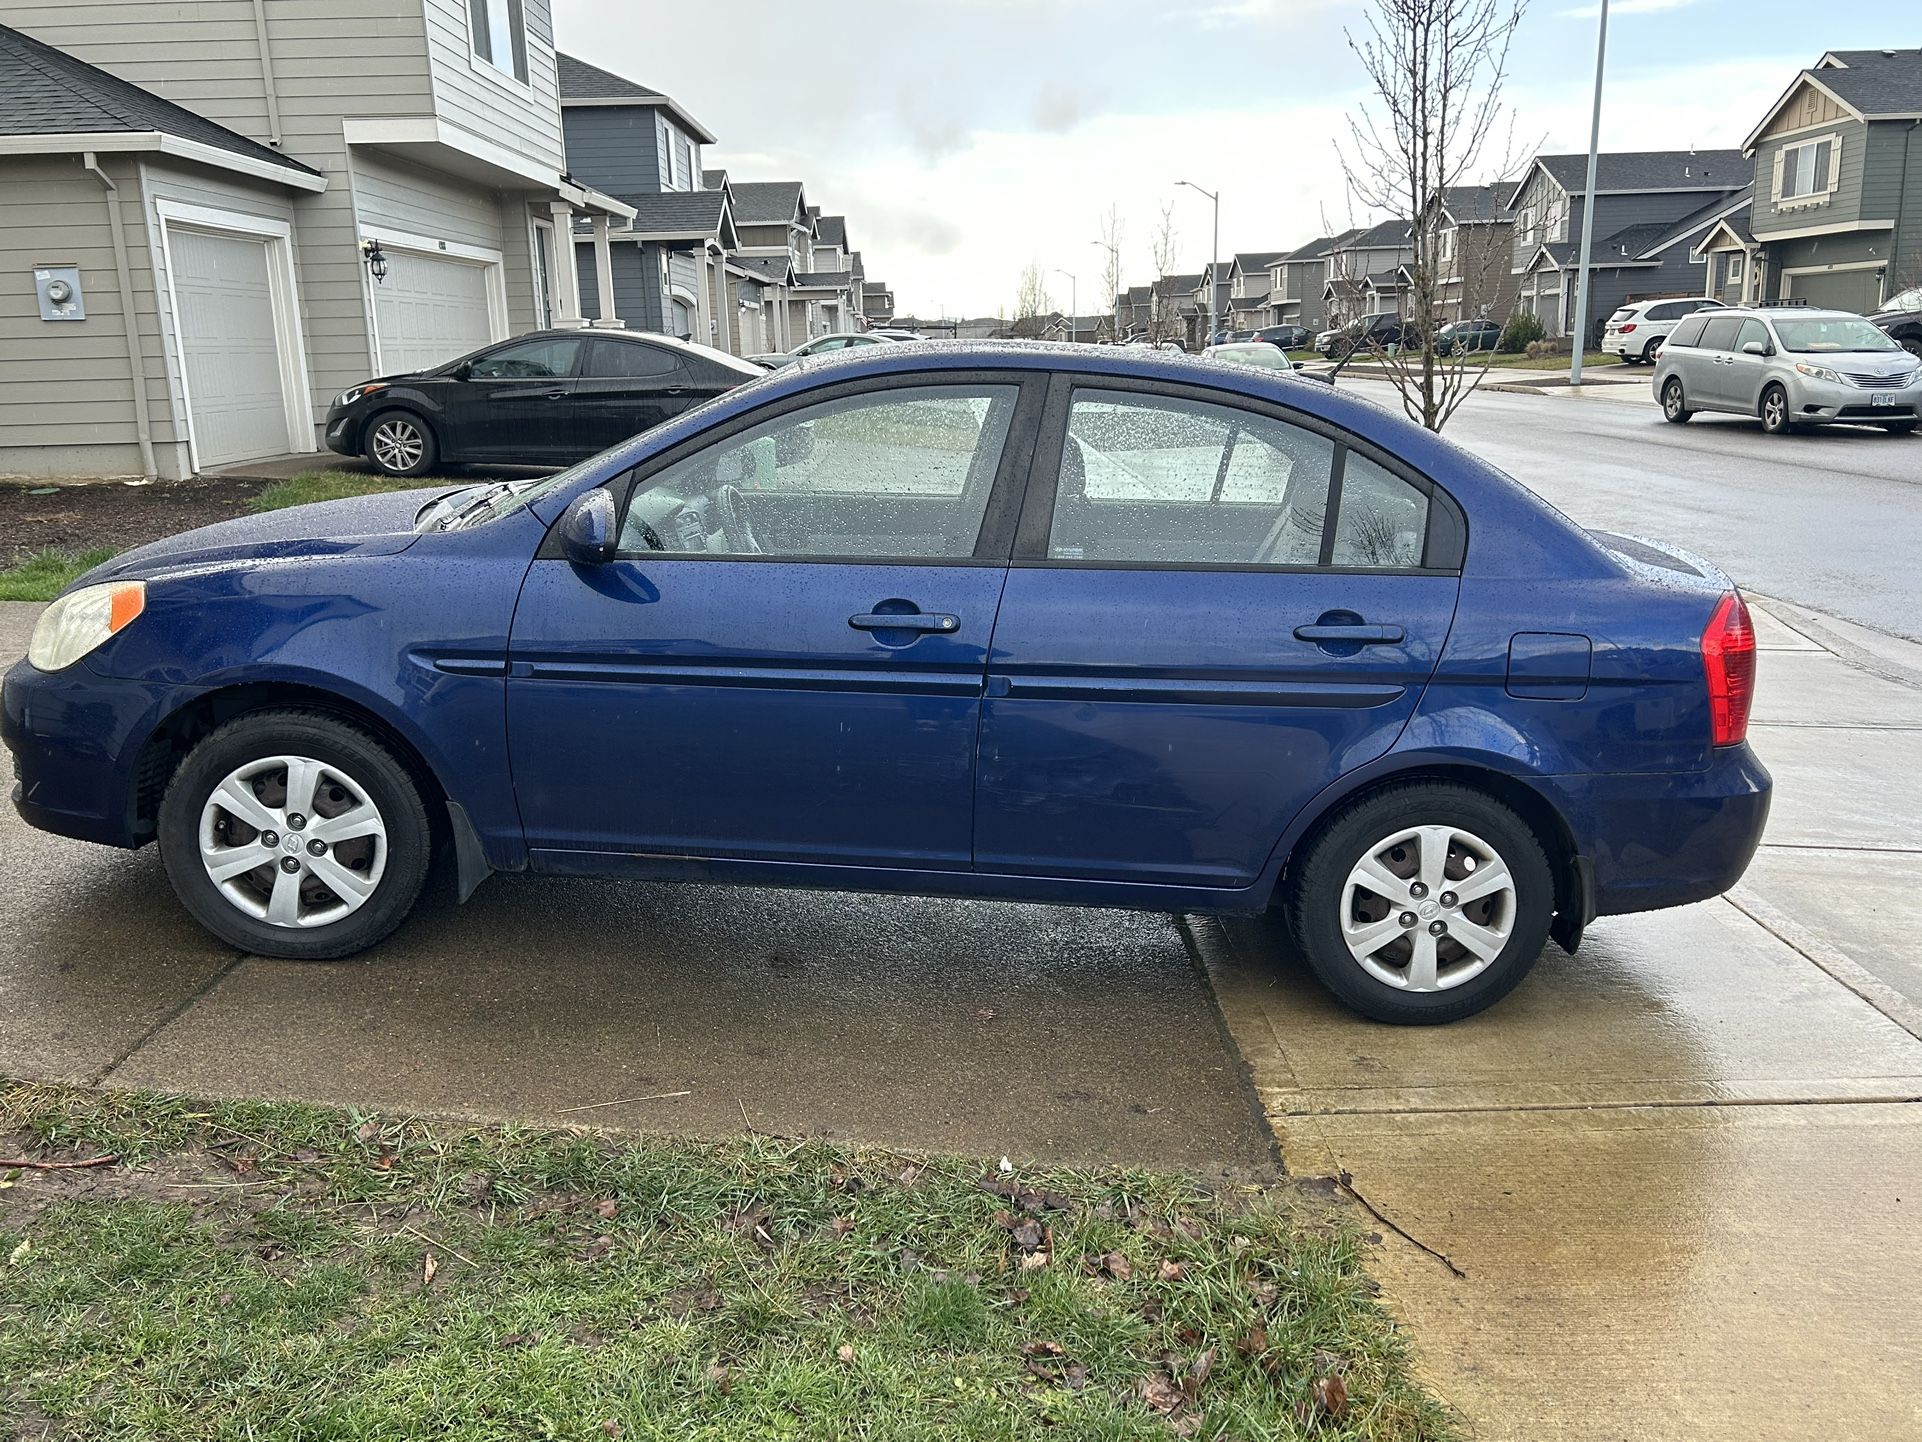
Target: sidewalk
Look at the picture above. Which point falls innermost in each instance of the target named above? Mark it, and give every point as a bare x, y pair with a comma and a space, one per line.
1672, 1187
1619, 384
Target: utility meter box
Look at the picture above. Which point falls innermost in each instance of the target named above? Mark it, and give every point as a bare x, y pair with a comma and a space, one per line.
58, 287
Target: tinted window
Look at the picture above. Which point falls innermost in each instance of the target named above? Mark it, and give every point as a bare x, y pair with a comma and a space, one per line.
897, 474
624, 359
1667, 310
1720, 333
1689, 332
1186, 482
529, 360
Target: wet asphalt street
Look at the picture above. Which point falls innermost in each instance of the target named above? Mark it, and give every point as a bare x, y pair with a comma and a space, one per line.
1829, 519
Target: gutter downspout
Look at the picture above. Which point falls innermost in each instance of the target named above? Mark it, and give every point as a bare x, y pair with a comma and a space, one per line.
267, 72
129, 320
1894, 273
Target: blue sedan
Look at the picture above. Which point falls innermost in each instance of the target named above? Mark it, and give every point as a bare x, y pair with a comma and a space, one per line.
1052, 624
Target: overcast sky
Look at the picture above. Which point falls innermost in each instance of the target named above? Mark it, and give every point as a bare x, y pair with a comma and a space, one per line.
978, 135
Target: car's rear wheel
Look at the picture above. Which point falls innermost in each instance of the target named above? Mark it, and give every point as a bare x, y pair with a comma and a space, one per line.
400, 443
1648, 351
1674, 403
1424, 902
1775, 412
294, 834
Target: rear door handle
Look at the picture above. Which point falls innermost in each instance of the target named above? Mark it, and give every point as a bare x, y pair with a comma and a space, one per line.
1355, 634
909, 621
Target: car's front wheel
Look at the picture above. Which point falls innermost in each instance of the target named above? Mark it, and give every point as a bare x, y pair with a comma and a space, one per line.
400, 443
1674, 403
1899, 428
294, 834
1424, 902
1775, 412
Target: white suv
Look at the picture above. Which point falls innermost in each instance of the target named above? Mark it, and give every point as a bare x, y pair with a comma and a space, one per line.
1636, 332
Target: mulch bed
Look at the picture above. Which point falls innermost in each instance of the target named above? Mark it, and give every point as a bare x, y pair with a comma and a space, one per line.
111, 513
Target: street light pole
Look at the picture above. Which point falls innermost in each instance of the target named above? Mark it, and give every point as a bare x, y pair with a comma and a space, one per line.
1074, 301
1113, 248
1214, 254
1588, 208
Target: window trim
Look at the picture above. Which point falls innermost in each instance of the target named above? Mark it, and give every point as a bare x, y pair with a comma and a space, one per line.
994, 541
538, 338
1783, 170
1444, 546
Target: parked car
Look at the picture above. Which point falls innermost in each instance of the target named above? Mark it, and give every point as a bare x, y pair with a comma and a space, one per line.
547, 398
1792, 366
1467, 336
1250, 353
1636, 332
821, 345
1901, 317
753, 645
1376, 331
890, 333
1288, 337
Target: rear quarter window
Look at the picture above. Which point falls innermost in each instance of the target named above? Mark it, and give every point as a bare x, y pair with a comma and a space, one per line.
1689, 332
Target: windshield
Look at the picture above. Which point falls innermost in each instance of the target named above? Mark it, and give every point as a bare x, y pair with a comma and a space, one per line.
1255, 355
505, 498
1907, 300
1831, 335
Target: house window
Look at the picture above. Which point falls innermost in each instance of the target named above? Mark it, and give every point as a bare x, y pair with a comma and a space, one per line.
1806, 169
1527, 223
499, 33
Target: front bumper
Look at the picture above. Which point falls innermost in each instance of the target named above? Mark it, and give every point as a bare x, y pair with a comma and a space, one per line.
343, 431
1667, 839
76, 738
1814, 401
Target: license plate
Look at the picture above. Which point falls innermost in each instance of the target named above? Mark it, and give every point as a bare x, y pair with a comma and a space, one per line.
1881, 399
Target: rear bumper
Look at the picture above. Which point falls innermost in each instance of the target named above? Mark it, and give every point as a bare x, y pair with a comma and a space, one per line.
1665, 840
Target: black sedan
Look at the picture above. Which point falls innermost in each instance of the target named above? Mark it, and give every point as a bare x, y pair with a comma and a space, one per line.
1467, 335
551, 397
1288, 337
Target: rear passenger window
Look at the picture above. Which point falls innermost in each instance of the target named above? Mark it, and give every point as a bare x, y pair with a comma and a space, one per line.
1720, 332
1689, 332
1180, 482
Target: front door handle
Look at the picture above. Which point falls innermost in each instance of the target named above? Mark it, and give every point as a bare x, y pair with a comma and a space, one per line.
908, 621
555, 395
1357, 634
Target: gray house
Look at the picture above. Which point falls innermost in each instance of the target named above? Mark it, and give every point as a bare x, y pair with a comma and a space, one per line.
1837, 216
1468, 229
1364, 270
1298, 283
212, 182
1652, 210
667, 269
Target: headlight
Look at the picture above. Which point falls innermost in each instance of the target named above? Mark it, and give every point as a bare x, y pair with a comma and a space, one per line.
1820, 373
348, 397
81, 620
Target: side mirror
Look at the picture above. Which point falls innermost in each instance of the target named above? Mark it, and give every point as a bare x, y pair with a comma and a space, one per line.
1756, 347
462, 371
588, 532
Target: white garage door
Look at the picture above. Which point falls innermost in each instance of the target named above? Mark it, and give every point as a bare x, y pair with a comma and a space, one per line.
428, 310
229, 345
1854, 290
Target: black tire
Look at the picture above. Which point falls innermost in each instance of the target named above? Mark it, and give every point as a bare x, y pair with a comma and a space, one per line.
400, 443
1774, 410
1648, 351
408, 841
1319, 876
1899, 428
1674, 402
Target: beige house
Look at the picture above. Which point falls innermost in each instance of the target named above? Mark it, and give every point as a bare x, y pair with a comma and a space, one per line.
233, 209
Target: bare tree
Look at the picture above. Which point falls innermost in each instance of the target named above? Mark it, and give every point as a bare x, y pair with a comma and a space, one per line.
1113, 278
1164, 306
1437, 68
1032, 298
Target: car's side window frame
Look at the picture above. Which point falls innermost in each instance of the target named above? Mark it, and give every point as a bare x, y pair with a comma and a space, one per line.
573, 370
994, 541
1444, 545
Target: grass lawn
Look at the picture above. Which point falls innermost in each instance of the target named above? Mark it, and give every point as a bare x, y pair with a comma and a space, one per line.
1590, 359
328, 486
41, 576
255, 1270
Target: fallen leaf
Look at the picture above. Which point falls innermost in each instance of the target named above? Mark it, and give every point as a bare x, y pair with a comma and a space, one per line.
841, 1226
1197, 1373
1160, 1394
385, 1161
1115, 1265
307, 1156
1170, 1271
611, 1428
844, 1353
427, 1269
910, 1174
19, 1253
1044, 1349
516, 1339
1253, 1342
367, 1131
596, 1250
1027, 1235
242, 1164
1331, 1394
1033, 1261
6, 1182
723, 1382
1190, 1228
606, 1209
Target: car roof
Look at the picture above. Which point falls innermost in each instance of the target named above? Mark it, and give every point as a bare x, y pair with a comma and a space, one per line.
1785, 312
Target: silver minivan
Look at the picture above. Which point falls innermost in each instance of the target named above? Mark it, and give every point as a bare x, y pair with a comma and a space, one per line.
1792, 365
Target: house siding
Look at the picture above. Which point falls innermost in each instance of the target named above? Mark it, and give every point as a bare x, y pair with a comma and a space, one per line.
1845, 206
480, 99
614, 148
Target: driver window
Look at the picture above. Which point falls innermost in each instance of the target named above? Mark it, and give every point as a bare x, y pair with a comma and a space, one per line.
1185, 482
898, 474
531, 360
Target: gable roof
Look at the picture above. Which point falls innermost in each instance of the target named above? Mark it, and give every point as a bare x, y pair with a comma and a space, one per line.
833, 230
701, 213
1869, 84
768, 202
777, 269
1477, 204
1722, 207
1249, 260
1316, 249
1642, 170
713, 179
47, 92
1391, 232
583, 84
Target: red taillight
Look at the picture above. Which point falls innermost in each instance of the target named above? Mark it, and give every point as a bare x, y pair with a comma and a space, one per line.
1728, 658
1627, 326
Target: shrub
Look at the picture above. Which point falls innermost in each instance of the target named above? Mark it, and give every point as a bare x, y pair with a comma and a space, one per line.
1518, 332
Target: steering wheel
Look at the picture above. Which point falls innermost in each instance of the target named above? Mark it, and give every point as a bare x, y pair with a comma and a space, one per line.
736, 528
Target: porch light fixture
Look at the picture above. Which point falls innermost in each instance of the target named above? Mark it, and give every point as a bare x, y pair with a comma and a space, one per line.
376, 259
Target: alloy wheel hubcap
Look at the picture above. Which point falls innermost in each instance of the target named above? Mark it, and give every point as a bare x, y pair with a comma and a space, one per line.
1772, 410
1428, 908
397, 445
293, 842
1674, 400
